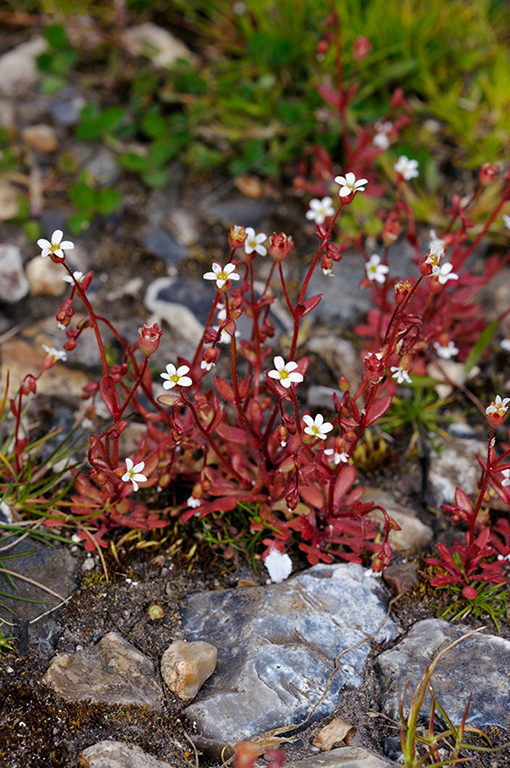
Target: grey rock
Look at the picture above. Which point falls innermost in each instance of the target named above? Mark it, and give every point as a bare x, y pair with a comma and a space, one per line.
340, 355
13, 282
118, 754
65, 107
455, 466
413, 534
18, 69
478, 664
318, 396
180, 318
111, 672
165, 247
103, 167
343, 757
277, 647
7, 115
51, 567
184, 226
245, 211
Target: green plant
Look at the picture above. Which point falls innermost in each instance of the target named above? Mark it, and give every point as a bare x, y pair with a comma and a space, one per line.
58, 60
491, 600
5, 642
415, 740
91, 202
421, 414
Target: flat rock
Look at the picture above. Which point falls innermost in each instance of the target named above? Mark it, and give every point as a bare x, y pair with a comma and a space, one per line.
479, 665
343, 757
277, 647
45, 277
118, 754
413, 535
111, 672
13, 282
186, 666
455, 466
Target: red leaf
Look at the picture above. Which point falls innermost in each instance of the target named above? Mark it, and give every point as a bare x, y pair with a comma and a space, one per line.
224, 389
109, 394
343, 483
287, 464
462, 501
311, 495
233, 434
303, 309
329, 95
378, 409
244, 386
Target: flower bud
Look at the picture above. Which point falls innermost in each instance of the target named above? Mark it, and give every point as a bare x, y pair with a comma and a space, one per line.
391, 230
374, 367
402, 290
70, 345
280, 246
211, 355
282, 435
488, 173
237, 237
150, 336
29, 385
326, 264
362, 48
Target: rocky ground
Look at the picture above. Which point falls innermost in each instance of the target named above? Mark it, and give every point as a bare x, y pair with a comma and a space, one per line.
323, 645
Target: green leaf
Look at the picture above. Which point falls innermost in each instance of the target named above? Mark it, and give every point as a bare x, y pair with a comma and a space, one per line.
82, 196
154, 126
131, 161
156, 178
78, 223
52, 84
56, 36
481, 345
163, 150
108, 201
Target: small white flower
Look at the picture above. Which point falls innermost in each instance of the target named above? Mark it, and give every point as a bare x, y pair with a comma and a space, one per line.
56, 246
319, 210
400, 374
498, 406
445, 353
176, 376
436, 243
381, 139
193, 503
444, 272
506, 219
278, 565
205, 366
349, 185
337, 457
283, 443
56, 354
375, 270
406, 167
506, 474
133, 473
222, 274
504, 557
225, 337
328, 272
285, 372
78, 277
254, 242
317, 427
505, 344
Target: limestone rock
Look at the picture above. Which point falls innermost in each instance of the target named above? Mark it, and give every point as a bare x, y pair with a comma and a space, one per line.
277, 647
413, 535
18, 69
186, 666
156, 43
13, 282
45, 277
118, 754
344, 757
41, 137
455, 465
111, 672
479, 664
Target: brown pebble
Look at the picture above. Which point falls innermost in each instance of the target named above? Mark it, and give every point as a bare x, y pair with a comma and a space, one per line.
401, 578
336, 732
186, 666
42, 138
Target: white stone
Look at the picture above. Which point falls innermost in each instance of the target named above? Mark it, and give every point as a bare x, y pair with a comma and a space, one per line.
18, 68
156, 43
13, 282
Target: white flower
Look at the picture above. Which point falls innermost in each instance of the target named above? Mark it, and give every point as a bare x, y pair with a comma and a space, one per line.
349, 185
407, 168
328, 272
222, 274
444, 272
133, 473
381, 139
498, 406
504, 557
319, 210
317, 427
193, 503
505, 344
205, 366
278, 565
254, 242
506, 219
337, 457
56, 246
506, 474
285, 372
436, 243
445, 353
78, 277
400, 374
375, 270
225, 337
176, 376
56, 354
